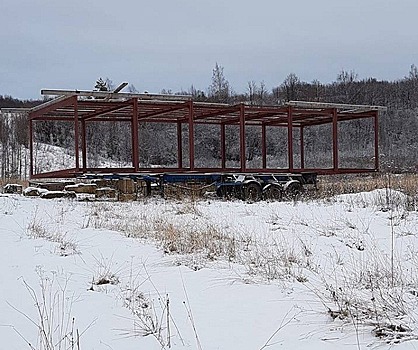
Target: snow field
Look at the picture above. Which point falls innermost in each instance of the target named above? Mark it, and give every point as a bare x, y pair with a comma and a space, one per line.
314, 275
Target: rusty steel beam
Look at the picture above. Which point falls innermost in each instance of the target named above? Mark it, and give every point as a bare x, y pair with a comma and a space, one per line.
218, 113
179, 146
335, 139
106, 110
59, 174
264, 145
50, 106
290, 137
101, 119
184, 105
242, 137
348, 117
83, 144
135, 134
376, 141
267, 109
223, 146
31, 148
251, 118
58, 119
305, 104
76, 135
191, 136
330, 171
302, 148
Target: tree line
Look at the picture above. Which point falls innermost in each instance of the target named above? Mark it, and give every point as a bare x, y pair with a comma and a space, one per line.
111, 140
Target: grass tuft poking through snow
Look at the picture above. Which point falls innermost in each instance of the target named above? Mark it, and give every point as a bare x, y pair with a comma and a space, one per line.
54, 320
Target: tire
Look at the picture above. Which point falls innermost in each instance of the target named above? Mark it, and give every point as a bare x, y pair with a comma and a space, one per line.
221, 191
252, 192
274, 193
294, 190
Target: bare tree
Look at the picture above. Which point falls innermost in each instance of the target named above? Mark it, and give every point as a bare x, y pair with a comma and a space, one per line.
252, 91
290, 87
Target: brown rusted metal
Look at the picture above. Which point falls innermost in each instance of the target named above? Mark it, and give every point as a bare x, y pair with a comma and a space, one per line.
290, 137
263, 146
242, 138
335, 139
91, 107
302, 148
134, 129
31, 148
83, 144
179, 146
191, 135
76, 134
376, 140
223, 146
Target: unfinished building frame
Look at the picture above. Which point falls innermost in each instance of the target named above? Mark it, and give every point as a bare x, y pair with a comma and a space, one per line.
82, 108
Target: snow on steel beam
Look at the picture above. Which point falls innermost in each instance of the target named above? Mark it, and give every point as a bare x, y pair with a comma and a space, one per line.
14, 110
259, 116
156, 112
113, 95
120, 87
50, 106
102, 111
217, 112
315, 105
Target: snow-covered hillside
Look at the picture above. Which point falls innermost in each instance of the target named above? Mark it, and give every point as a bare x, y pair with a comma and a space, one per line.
210, 274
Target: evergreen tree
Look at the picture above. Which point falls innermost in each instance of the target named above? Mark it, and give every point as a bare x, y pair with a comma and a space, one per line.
219, 90
101, 85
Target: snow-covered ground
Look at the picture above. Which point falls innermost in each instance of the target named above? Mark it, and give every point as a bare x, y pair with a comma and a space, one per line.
209, 274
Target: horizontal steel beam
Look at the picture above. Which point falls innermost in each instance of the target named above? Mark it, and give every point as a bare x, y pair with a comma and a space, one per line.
362, 108
113, 95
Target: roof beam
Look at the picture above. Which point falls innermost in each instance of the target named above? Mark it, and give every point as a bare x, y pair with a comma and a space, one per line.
50, 106
163, 111
305, 104
103, 111
217, 113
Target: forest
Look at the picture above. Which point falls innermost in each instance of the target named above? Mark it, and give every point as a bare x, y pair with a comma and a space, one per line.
398, 127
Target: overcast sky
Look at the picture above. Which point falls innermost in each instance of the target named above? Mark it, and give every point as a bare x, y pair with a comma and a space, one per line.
173, 44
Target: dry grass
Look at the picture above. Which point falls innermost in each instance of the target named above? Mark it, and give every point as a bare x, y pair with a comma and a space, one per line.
54, 320
334, 185
358, 284
65, 245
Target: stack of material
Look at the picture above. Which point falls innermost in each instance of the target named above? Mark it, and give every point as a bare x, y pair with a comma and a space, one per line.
127, 190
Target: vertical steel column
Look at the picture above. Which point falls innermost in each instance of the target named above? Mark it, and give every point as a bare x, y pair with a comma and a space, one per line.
290, 137
31, 147
134, 131
242, 136
191, 135
223, 146
76, 134
263, 146
83, 144
302, 149
179, 146
335, 139
376, 140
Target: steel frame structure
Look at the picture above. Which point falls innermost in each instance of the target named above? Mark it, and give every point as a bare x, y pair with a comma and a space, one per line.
83, 107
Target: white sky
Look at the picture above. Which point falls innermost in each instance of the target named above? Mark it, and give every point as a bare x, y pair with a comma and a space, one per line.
173, 44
